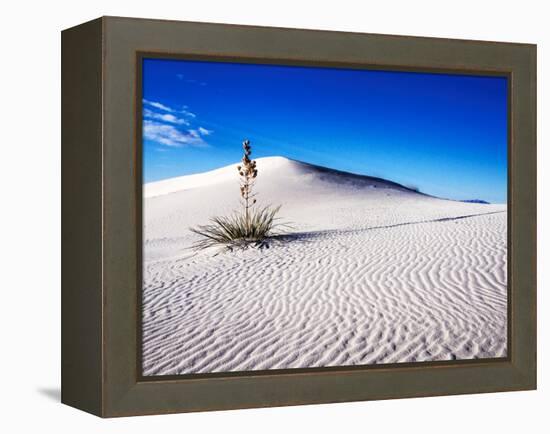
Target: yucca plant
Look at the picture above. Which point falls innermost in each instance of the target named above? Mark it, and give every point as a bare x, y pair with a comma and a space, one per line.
248, 173
252, 226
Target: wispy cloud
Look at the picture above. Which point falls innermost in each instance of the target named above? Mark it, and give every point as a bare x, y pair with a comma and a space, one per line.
169, 135
163, 107
204, 131
188, 113
165, 117
190, 80
158, 105
173, 127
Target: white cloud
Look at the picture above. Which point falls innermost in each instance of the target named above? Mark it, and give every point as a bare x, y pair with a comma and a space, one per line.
194, 133
204, 131
158, 105
163, 107
200, 132
169, 135
165, 117
188, 113
166, 126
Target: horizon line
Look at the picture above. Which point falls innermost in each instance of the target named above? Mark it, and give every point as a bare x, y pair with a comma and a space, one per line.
345, 172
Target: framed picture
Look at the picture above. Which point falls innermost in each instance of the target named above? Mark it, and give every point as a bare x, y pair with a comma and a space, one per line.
260, 216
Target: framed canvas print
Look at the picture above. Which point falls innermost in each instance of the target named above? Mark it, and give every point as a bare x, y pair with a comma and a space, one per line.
261, 216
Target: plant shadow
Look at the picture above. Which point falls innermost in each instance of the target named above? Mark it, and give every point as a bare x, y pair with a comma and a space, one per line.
301, 237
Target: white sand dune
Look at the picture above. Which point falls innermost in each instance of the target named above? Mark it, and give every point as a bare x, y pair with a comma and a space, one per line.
372, 273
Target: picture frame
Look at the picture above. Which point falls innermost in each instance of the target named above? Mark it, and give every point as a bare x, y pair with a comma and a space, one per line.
101, 216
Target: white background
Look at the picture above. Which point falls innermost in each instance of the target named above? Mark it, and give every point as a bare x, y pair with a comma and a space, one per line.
30, 215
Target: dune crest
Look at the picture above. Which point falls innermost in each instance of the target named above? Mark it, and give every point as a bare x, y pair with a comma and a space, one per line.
271, 167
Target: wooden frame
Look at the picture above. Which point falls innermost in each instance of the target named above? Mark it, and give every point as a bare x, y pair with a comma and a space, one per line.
101, 222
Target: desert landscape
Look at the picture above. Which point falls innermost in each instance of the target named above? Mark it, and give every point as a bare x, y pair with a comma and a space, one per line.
368, 272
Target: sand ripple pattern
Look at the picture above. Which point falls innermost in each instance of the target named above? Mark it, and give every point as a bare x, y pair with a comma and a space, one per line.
422, 288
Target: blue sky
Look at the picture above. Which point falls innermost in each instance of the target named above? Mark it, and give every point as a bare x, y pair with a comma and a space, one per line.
444, 134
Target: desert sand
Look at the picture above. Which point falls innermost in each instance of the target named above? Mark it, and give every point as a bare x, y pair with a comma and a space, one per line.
371, 272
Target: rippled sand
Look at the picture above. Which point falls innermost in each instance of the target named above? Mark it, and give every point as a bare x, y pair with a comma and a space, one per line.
371, 273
